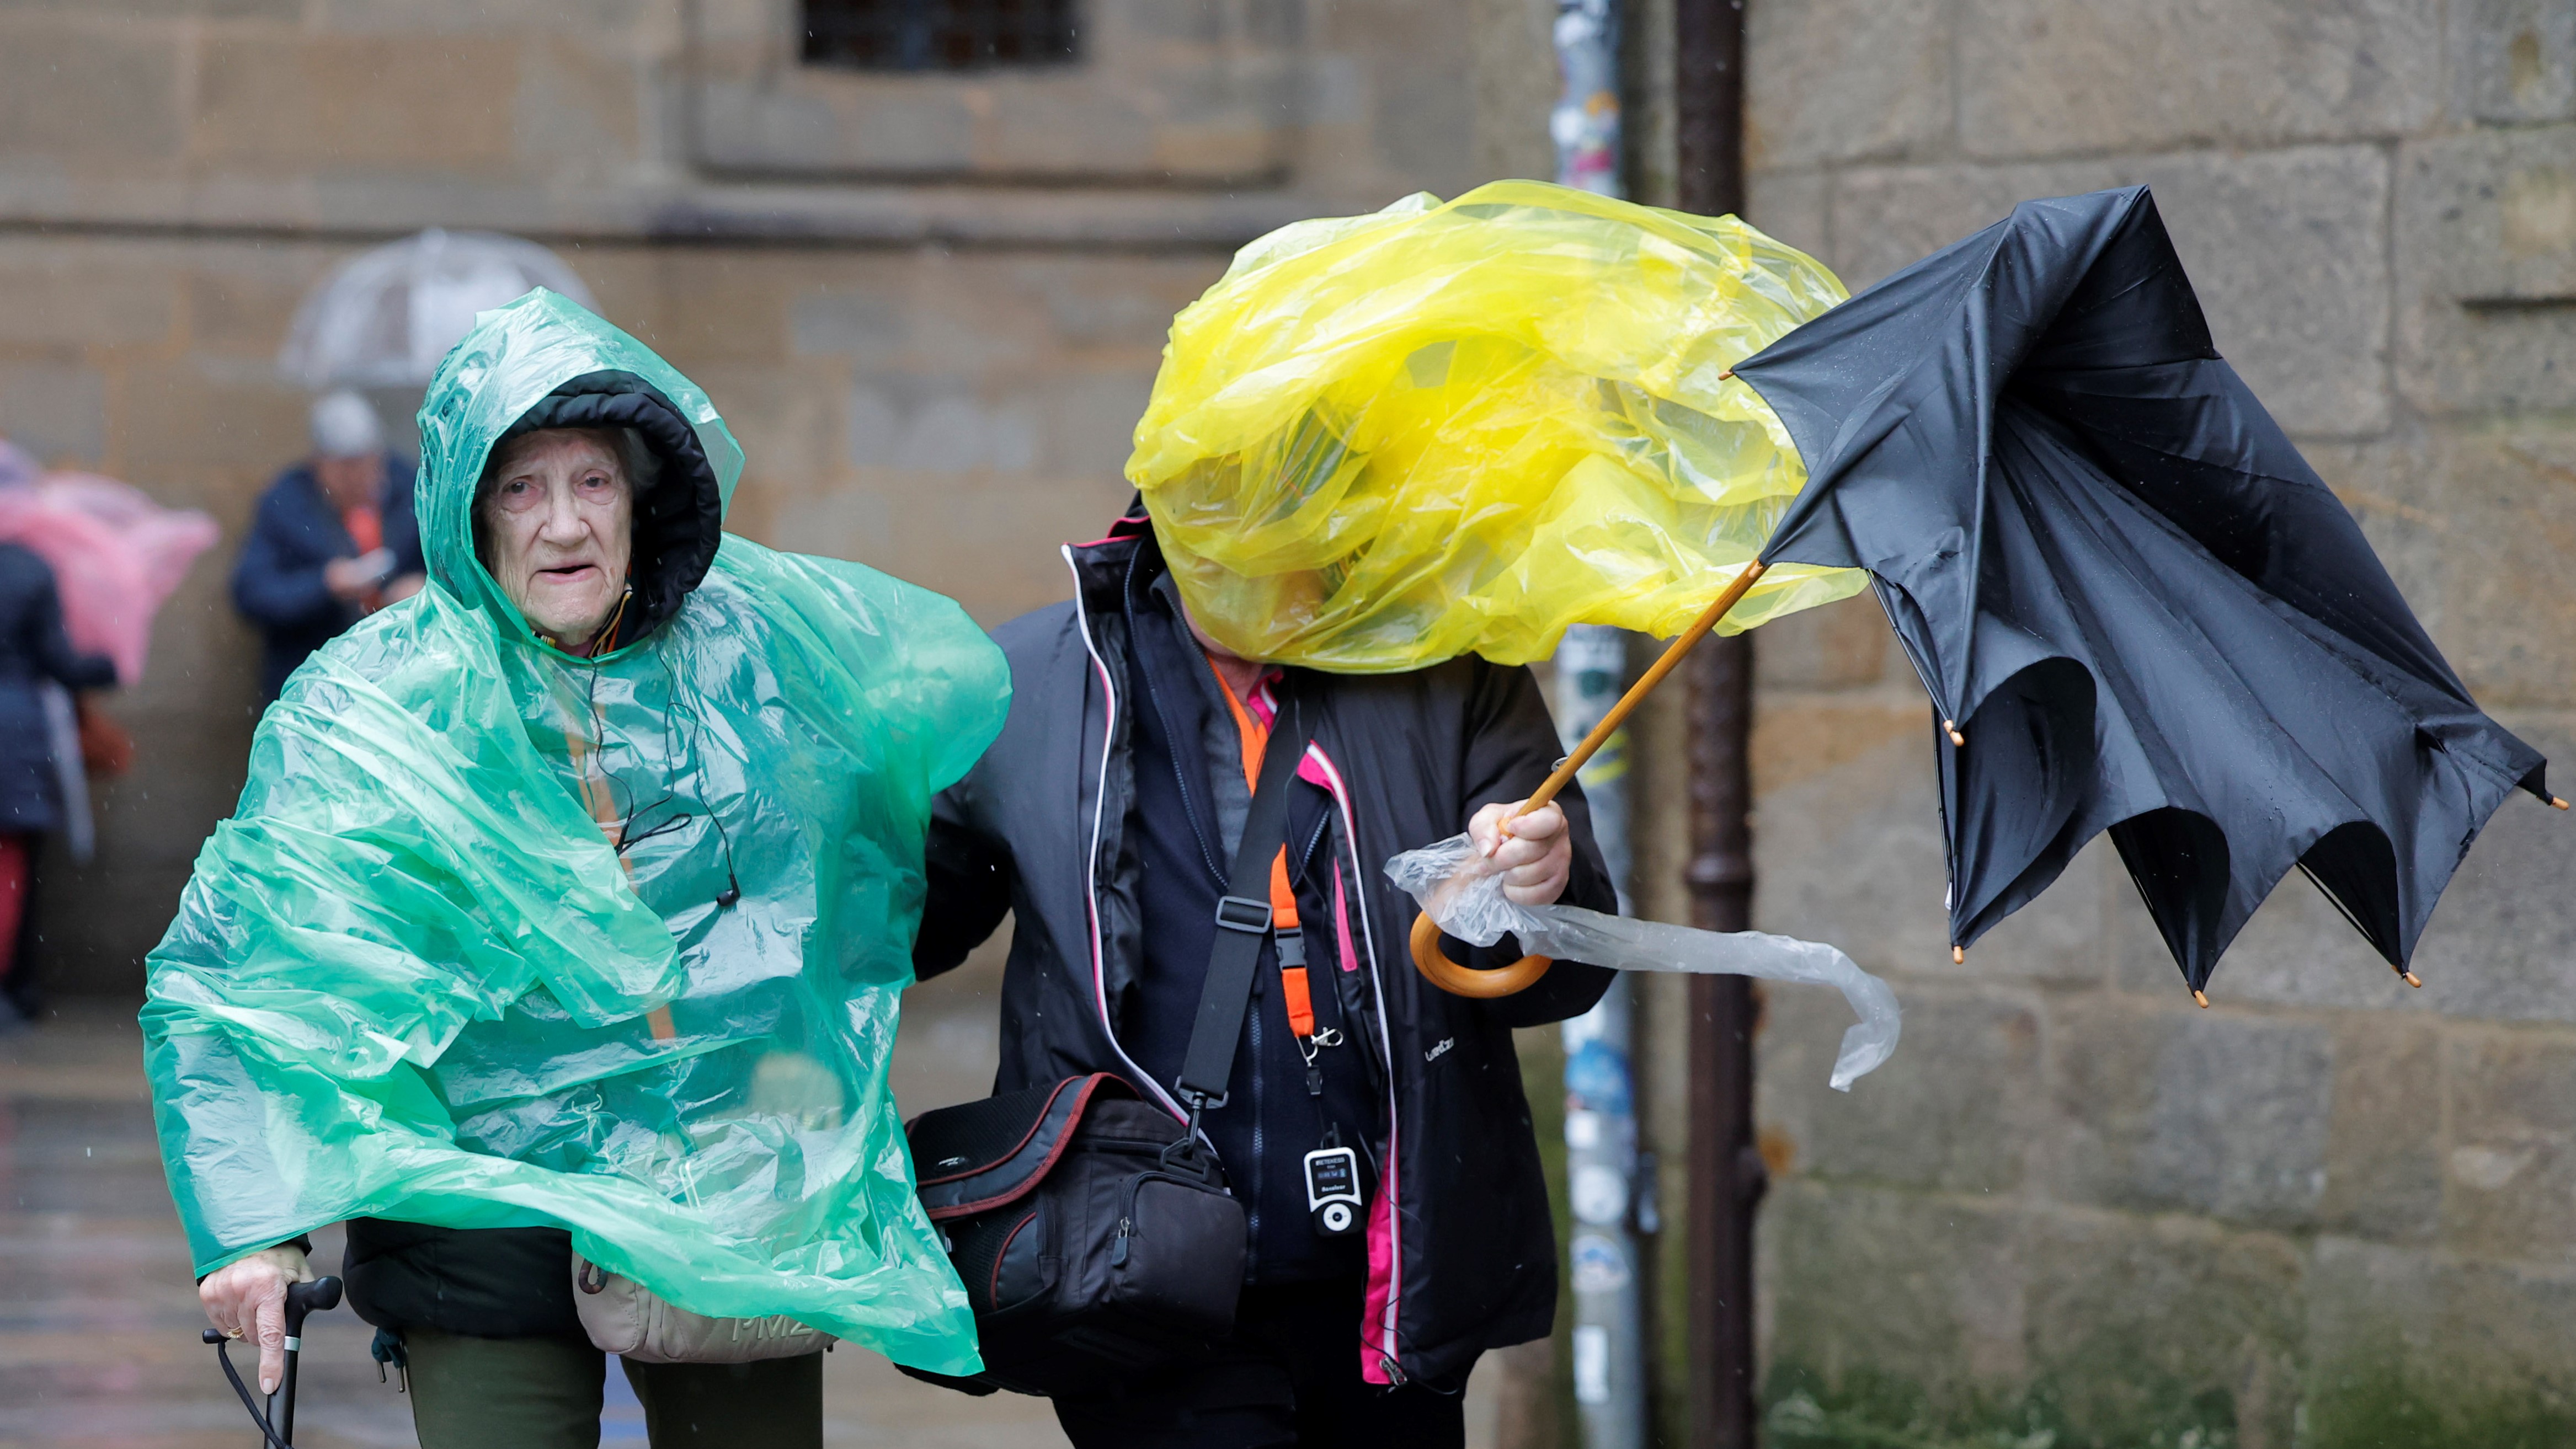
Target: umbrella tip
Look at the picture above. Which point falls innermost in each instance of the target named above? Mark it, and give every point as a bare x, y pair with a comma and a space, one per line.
1950, 727
2201, 997
2410, 978
1723, 376
1958, 955
2556, 801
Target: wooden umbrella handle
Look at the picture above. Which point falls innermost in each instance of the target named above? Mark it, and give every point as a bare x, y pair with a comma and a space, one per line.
1459, 980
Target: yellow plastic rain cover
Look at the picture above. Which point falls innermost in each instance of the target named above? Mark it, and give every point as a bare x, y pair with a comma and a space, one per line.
1382, 441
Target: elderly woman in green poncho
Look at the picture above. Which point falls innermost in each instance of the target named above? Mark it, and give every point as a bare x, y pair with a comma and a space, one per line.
565, 913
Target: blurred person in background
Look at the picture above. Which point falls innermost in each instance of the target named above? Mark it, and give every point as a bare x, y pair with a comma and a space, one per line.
34, 649
333, 540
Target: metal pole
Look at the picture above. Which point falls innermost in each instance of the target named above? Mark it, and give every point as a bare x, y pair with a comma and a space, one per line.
1727, 1178
1585, 121
1600, 1096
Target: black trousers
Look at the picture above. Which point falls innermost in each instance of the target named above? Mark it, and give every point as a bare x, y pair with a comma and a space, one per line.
1289, 1376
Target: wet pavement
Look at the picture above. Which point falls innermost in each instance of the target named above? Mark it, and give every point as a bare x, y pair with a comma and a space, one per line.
98, 1311
99, 1316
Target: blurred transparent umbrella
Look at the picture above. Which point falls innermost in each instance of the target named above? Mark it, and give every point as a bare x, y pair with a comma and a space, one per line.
386, 317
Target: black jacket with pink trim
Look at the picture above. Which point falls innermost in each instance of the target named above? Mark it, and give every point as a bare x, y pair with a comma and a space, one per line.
1462, 1253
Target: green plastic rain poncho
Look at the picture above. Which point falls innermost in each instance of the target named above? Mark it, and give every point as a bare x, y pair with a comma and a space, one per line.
411, 977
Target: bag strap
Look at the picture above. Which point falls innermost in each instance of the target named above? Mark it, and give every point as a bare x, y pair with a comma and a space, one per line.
1243, 917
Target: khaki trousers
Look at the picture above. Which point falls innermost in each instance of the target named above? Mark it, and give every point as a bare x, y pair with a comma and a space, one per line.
544, 1393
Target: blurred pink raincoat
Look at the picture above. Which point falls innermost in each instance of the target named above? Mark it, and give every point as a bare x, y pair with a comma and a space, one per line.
116, 554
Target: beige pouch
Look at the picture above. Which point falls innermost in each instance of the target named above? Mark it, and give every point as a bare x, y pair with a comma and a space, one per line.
624, 1317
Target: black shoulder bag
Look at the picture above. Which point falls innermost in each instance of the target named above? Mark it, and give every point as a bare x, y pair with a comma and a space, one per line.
1094, 1233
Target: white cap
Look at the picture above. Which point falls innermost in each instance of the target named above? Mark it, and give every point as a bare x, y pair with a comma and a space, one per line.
345, 426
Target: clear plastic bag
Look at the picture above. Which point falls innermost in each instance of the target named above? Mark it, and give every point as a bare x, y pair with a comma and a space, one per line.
1461, 890
1383, 441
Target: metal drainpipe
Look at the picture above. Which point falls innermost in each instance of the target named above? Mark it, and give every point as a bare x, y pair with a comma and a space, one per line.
1601, 1158
1727, 1177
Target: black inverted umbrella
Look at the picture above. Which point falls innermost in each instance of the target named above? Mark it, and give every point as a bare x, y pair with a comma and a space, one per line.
2136, 608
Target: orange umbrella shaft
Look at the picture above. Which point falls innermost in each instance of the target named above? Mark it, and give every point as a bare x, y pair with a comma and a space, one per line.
1645, 685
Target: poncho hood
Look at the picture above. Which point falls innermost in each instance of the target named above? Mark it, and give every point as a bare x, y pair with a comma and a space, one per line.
503, 937
678, 522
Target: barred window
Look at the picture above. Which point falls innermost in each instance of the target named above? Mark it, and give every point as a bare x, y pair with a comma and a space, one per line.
937, 34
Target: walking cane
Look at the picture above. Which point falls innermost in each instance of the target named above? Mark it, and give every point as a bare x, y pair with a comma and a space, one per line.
277, 1426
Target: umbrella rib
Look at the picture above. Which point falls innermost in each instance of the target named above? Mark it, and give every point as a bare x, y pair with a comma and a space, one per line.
1981, 355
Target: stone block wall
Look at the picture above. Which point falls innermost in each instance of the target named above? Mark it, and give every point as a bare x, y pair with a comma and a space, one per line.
2328, 1211
1194, 123
948, 417
931, 305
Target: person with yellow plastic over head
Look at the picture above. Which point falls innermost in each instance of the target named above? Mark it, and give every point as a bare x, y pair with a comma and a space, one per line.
1105, 820
562, 924
1387, 461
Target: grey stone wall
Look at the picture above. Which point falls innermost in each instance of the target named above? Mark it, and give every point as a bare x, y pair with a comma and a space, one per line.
950, 417
2328, 1211
931, 305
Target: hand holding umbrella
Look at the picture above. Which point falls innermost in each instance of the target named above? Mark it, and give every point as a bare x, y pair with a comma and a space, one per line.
1428, 958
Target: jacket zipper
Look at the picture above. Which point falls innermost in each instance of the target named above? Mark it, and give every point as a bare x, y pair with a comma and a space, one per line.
1091, 860
1180, 777
1390, 1177
1357, 1008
